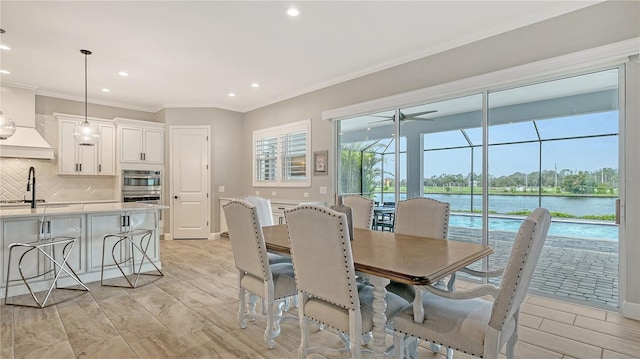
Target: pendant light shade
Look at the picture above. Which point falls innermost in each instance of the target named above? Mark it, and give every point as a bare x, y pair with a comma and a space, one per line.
7, 126
85, 133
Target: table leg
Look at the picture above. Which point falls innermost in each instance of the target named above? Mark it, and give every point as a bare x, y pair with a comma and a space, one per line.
379, 316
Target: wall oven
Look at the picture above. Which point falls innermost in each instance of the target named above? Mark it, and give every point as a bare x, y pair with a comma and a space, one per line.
142, 186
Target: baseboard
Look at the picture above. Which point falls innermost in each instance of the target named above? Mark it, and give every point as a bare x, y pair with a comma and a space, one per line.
631, 310
169, 236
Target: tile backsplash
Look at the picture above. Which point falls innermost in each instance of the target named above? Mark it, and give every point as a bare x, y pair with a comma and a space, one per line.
49, 185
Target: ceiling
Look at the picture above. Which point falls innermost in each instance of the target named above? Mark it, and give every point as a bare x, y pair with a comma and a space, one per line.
193, 53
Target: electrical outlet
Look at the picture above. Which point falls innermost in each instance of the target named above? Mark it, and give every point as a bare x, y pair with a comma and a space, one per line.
306, 195
323, 190
221, 189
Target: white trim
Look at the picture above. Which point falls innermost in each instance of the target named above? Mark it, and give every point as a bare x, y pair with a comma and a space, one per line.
631, 310
599, 56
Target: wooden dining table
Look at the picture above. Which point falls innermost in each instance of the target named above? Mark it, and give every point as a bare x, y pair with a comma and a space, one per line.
386, 256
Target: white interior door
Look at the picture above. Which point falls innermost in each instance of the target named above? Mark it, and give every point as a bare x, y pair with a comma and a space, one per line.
190, 182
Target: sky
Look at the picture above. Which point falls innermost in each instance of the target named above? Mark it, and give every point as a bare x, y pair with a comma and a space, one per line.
588, 154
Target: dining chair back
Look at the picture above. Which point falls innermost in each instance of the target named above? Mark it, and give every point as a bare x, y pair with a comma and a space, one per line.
465, 320
265, 217
263, 206
272, 282
362, 208
423, 217
326, 277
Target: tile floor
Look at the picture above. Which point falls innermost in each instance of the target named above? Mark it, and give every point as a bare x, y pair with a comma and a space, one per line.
191, 313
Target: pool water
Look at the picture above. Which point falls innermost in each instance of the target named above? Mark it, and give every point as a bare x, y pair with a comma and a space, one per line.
603, 231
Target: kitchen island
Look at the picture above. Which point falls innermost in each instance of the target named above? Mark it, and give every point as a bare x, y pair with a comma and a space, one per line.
88, 222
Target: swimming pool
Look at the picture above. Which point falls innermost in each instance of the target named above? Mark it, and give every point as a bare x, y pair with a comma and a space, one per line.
573, 229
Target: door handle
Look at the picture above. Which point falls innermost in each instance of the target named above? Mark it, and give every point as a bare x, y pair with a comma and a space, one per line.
176, 197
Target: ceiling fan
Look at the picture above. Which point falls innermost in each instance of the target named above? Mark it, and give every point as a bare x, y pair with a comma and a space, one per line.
403, 117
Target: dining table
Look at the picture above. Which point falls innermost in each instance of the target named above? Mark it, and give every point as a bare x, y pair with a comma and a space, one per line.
386, 256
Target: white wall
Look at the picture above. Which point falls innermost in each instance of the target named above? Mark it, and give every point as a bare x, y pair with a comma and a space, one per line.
227, 147
601, 24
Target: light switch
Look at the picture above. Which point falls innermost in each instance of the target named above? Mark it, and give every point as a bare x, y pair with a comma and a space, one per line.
221, 189
323, 190
306, 195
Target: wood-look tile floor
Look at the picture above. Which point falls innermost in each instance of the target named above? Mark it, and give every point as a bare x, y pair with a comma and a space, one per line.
191, 313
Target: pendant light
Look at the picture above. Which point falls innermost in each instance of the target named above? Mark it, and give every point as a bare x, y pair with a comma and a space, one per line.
7, 126
85, 133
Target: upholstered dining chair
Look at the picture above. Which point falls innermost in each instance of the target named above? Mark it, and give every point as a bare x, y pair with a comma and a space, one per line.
362, 208
265, 216
423, 217
465, 322
271, 282
326, 280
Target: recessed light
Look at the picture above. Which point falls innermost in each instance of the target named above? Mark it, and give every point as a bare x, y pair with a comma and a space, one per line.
368, 128
293, 12
5, 72
4, 47
255, 85
123, 73
106, 90
232, 94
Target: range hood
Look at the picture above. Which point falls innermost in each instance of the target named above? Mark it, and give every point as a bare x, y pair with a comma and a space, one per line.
19, 103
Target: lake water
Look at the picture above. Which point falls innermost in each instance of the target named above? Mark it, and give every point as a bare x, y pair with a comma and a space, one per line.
578, 206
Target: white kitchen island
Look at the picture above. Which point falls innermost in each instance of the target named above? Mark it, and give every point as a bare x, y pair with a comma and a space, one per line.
89, 222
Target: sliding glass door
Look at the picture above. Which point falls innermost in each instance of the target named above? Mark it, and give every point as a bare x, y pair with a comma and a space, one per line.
495, 155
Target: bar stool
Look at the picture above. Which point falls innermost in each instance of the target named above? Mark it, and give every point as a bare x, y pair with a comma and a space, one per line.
129, 235
47, 248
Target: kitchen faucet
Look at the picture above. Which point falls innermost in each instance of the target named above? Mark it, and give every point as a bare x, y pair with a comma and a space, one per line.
30, 184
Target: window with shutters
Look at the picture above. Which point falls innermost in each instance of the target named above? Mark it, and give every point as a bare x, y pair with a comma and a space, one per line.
282, 155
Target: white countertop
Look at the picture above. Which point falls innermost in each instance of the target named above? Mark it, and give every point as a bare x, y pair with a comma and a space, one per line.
67, 209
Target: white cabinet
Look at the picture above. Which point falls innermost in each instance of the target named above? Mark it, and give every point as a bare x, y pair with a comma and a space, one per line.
277, 211
85, 160
140, 141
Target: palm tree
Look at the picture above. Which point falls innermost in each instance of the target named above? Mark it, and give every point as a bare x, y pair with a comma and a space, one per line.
359, 169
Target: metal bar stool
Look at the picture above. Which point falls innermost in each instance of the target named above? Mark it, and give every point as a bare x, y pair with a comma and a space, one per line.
128, 235
47, 248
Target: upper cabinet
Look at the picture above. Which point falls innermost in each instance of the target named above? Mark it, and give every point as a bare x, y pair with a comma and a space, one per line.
140, 141
74, 159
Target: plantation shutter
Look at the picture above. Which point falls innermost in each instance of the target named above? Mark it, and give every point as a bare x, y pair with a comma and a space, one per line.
281, 155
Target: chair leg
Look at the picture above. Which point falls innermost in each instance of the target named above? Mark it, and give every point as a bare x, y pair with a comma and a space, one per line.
304, 327
269, 334
398, 345
511, 345
449, 353
241, 310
